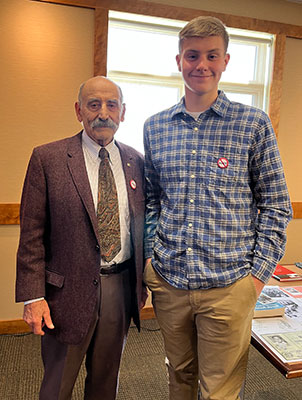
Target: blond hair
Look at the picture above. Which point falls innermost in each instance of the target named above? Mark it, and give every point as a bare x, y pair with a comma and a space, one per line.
204, 27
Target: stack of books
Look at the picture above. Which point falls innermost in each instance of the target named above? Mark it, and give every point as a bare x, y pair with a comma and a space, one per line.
283, 274
268, 307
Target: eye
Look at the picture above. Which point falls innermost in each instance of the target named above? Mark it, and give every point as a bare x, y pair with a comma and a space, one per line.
191, 56
94, 106
112, 106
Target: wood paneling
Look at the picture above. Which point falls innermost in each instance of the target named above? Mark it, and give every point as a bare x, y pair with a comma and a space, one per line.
13, 326
276, 85
185, 14
147, 313
297, 208
9, 214
76, 3
100, 42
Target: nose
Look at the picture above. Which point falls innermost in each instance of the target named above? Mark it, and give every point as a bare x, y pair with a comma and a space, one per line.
201, 65
103, 113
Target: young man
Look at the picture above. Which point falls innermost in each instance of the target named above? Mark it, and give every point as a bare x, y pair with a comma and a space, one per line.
217, 211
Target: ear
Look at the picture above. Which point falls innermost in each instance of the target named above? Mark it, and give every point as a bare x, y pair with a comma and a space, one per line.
123, 112
178, 59
78, 111
226, 60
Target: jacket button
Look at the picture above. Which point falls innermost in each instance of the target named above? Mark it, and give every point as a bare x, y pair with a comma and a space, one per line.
97, 247
95, 282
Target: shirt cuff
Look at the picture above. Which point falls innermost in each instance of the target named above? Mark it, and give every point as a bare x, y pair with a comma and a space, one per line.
33, 300
262, 269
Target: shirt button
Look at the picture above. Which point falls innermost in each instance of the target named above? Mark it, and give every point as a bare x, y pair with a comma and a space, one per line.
193, 151
190, 225
189, 249
195, 129
191, 201
192, 176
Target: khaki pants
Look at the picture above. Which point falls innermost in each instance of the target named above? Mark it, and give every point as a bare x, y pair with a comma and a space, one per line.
206, 336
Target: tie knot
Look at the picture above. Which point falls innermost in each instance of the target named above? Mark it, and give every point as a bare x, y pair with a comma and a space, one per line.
103, 154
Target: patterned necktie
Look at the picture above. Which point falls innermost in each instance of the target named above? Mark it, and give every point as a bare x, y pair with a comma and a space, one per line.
107, 211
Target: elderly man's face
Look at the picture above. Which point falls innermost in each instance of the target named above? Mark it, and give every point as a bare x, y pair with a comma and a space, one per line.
100, 109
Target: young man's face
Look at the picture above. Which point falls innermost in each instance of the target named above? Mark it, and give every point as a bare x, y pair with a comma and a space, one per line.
201, 62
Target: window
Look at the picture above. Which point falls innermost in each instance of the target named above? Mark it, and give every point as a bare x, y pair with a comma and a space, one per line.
141, 59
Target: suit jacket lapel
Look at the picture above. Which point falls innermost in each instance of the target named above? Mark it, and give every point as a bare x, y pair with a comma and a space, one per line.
130, 175
77, 168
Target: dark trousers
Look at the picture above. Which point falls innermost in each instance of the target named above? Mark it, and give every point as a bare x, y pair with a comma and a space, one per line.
103, 347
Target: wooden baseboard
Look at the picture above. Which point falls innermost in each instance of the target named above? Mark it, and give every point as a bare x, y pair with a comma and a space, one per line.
147, 313
14, 326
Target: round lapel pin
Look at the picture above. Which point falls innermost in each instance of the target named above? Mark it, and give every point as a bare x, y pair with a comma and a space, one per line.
222, 162
133, 184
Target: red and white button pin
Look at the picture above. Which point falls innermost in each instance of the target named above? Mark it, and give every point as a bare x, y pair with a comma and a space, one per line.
223, 162
133, 184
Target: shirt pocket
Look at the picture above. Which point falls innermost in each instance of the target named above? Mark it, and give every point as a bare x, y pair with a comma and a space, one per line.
225, 171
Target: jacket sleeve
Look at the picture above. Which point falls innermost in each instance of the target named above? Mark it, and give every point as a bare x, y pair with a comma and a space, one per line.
30, 281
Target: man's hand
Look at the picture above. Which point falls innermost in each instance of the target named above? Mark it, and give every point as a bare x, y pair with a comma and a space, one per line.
147, 261
258, 285
37, 315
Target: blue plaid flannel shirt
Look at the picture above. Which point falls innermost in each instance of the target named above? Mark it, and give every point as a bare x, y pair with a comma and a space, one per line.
208, 226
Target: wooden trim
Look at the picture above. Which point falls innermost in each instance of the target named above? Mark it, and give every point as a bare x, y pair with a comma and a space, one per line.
297, 208
185, 14
147, 313
74, 3
276, 85
100, 41
9, 214
13, 326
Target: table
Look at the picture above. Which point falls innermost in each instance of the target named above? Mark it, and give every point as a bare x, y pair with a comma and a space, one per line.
291, 369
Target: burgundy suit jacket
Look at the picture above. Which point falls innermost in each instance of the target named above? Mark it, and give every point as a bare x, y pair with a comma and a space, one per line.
59, 254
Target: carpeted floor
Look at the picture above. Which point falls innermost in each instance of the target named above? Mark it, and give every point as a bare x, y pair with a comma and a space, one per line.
142, 376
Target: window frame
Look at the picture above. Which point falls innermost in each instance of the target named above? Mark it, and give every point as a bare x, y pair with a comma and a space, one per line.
258, 88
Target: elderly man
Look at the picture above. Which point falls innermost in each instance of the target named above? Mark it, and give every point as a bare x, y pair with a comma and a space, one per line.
80, 256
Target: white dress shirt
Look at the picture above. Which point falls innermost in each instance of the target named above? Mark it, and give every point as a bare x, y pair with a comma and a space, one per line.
91, 154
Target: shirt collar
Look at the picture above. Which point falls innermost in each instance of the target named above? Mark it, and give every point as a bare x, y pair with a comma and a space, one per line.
94, 148
220, 105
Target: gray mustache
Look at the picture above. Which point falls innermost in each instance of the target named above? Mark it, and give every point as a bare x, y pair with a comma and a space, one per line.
100, 123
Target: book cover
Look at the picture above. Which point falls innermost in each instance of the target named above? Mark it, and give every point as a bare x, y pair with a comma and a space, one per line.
284, 274
293, 291
268, 307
